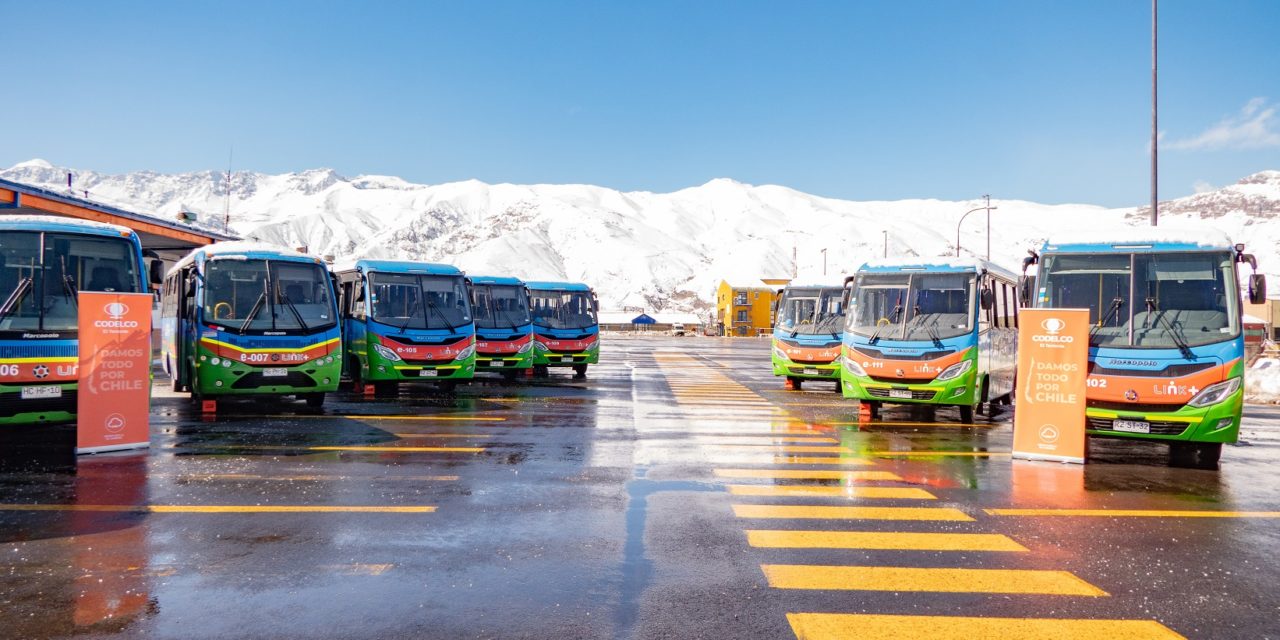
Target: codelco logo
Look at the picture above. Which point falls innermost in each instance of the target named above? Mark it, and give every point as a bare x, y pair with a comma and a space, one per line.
115, 311
1052, 327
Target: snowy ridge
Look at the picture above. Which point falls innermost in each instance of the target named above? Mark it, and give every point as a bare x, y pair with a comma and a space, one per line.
662, 252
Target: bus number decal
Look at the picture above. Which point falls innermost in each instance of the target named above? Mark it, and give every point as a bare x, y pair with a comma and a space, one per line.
1096, 383
8, 370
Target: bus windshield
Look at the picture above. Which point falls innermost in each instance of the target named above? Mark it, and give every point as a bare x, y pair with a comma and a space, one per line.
563, 309
500, 306
1152, 300
912, 306
267, 295
417, 301
41, 273
811, 311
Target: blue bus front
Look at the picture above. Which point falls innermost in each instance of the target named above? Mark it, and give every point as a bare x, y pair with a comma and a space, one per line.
565, 326
807, 330
504, 328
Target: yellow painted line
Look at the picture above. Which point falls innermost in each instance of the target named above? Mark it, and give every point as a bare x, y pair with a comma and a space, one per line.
805, 512
761, 437
930, 454
939, 425
810, 490
850, 626
1133, 513
220, 508
401, 449
58, 360
852, 462
300, 478
807, 474
445, 435
317, 345
890, 540
789, 448
933, 580
438, 418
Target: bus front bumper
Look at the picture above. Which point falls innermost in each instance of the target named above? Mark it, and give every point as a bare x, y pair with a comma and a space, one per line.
806, 370
318, 376
565, 359
959, 391
16, 410
1215, 423
503, 361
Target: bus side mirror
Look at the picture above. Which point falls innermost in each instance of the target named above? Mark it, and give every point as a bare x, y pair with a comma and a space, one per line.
1257, 289
986, 298
156, 269
1034, 258
1026, 287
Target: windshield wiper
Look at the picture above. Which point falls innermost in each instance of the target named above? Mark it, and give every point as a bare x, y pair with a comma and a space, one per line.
431, 306
1175, 334
289, 303
19, 292
257, 306
69, 289
875, 337
1116, 303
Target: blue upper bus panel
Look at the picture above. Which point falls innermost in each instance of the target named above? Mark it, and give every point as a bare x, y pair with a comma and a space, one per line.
1138, 240
935, 265
497, 280
557, 286
62, 225
250, 250
405, 266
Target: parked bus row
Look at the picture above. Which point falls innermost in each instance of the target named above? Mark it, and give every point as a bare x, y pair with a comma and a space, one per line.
239, 319
1166, 349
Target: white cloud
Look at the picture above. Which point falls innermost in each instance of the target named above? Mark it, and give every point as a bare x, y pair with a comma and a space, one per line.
1202, 187
1255, 127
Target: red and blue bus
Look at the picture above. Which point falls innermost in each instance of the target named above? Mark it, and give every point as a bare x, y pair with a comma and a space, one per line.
504, 328
566, 331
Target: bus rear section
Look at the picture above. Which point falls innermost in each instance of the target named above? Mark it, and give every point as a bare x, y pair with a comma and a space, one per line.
807, 329
504, 328
940, 333
1166, 346
247, 319
407, 322
45, 262
565, 327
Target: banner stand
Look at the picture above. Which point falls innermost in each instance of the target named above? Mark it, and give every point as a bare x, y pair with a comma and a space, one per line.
1053, 370
113, 399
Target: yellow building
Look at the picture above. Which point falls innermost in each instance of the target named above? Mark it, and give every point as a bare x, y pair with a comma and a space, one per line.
746, 309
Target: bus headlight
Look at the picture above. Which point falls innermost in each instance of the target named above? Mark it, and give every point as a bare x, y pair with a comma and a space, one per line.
466, 352
853, 367
780, 354
524, 348
540, 346
387, 353
594, 346
955, 370
1213, 394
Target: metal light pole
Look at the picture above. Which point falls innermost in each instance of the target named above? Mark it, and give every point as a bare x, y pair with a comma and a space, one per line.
824, 262
986, 208
1155, 202
886, 242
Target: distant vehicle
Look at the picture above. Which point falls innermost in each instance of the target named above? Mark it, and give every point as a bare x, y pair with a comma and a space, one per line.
44, 262
565, 326
923, 331
1166, 351
242, 318
406, 322
808, 322
677, 328
504, 328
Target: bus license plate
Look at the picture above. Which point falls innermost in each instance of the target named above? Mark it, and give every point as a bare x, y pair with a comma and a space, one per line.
811, 372
428, 373
566, 359
904, 394
1132, 426
36, 393
275, 372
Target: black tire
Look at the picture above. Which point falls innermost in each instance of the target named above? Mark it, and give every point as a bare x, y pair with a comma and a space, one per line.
580, 370
1195, 455
540, 371
839, 387
386, 389
873, 411
509, 374
966, 414
357, 380
796, 383
447, 386
314, 400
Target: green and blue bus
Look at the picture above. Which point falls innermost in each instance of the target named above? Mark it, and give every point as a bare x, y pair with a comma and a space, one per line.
1166, 349
243, 318
939, 332
406, 322
44, 262
807, 328
504, 328
566, 331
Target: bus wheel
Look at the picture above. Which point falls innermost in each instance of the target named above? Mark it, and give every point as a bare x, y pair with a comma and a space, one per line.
794, 383
540, 371
386, 389
579, 371
966, 414
509, 374
314, 400
839, 386
1196, 455
448, 386
357, 381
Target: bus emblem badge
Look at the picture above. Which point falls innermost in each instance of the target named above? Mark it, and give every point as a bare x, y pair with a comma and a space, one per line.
40, 371
1131, 395
900, 373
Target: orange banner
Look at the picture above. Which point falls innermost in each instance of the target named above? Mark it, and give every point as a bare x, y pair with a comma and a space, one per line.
1053, 366
114, 396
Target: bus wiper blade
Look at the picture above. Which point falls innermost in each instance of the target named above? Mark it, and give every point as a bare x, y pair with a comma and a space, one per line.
69, 290
284, 297
15, 298
933, 334
257, 306
432, 307
1116, 303
1175, 334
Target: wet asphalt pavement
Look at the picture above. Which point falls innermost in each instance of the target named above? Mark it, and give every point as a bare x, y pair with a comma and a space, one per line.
678, 492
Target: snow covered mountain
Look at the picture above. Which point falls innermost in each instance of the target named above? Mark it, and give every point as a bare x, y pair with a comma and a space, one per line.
663, 252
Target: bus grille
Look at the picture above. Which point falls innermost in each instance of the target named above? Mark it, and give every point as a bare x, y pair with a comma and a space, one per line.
11, 404
1157, 428
880, 355
1131, 406
822, 372
877, 392
256, 379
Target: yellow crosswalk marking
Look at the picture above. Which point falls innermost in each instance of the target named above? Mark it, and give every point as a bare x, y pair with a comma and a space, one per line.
808, 512
893, 540
853, 462
401, 449
1134, 513
939, 580
199, 508
807, 474
848, 626
817, 491
800, 448
931, 454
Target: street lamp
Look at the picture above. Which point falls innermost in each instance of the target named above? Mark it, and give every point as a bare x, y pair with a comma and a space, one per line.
988, 209
886, 242
824, 262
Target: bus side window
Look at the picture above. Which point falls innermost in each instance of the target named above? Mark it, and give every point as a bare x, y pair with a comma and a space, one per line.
1013, 294
997, 303
357, 298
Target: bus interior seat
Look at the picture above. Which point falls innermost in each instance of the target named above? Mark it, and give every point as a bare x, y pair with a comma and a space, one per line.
104, 278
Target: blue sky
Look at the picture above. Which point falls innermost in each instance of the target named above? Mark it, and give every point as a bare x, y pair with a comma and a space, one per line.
1031, 99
